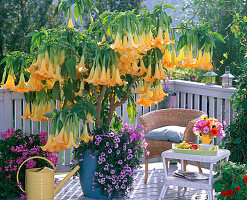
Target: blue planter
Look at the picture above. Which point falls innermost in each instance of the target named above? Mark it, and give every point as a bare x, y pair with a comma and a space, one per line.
87, 169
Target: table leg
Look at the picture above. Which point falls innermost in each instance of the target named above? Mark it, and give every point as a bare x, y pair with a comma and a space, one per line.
182, 165
211, 173
165, 166
210, 194
163, 192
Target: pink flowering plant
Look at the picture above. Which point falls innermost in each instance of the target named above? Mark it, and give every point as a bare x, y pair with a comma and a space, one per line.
209, 126
118, 156
15, 147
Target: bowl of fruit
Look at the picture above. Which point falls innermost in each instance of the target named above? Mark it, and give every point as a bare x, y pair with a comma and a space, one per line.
197, 149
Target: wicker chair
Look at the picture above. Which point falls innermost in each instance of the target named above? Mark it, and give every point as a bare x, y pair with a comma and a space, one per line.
168, 117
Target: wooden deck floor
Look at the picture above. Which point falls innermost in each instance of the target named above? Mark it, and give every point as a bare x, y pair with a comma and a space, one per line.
149, 191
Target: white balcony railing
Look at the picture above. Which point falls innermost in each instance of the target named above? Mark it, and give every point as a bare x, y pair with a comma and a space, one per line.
214, 100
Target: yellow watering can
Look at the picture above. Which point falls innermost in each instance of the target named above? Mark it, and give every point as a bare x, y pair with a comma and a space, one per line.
39, 182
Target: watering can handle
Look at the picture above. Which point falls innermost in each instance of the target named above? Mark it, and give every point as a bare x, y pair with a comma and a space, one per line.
34, 157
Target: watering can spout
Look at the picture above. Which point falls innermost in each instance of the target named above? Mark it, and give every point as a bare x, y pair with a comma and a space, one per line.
70, 174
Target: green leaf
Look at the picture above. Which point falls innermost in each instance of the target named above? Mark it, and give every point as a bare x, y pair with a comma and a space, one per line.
70, 66
237, 141
82, 115
168, 6
245, 18
218, 186
15, 63
182, 42
32, 33
56, 90
218, 36
131, 110
49, 115
91, 109
3, 60
76, 12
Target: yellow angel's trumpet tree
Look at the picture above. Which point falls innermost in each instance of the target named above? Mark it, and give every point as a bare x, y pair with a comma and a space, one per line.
72, 66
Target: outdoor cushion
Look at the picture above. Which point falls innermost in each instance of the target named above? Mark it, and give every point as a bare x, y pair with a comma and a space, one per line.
167, 133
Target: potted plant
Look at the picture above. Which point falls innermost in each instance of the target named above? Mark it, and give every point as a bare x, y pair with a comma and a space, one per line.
232, 183
15, 147
113, 156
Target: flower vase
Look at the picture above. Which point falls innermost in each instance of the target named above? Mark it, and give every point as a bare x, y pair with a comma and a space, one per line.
87, 168
206, 139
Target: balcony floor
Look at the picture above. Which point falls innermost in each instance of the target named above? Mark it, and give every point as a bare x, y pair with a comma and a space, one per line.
151, 190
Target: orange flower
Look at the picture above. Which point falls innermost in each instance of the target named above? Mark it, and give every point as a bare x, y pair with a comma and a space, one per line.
214, 131
27, 112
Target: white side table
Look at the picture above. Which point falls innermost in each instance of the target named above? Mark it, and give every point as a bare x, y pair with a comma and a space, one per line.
200, 184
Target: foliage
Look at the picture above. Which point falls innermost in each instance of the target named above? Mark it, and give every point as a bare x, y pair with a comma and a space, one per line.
233, 181
118, 155
237, 132
18, 18
15, 147
121, 5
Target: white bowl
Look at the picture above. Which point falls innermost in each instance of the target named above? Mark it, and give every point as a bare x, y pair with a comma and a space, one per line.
205, 146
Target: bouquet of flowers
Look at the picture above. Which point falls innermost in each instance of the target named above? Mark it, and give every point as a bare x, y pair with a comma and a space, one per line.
209, 127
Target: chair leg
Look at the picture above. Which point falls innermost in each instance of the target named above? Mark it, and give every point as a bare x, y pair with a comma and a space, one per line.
146, 170
199, 166
185, 164
167, 164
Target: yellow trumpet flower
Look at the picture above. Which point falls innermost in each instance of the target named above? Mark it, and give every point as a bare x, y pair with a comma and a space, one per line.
27, 112
167, 40
157, 73
85, 137
103, 80
49, 145
79, 93
10, 83
147, 78
90, 75
22, 86
71, 142
70, 23
89, 118
139, 88
117, 42
97, 73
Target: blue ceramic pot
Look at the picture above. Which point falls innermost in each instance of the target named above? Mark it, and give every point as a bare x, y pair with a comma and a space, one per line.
87, 169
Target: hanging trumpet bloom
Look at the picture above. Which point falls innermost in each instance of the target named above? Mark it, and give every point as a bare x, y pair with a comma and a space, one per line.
150, 97
39, 110
85, 137
139, 88
159, 42
22, 86
189, 61
10, 83
27, 112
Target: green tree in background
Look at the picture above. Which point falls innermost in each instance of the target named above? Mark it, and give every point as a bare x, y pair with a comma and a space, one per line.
221, 16
20, 17
121, 5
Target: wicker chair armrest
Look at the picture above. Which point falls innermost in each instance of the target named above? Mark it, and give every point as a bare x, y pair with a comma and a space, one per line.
189, 136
